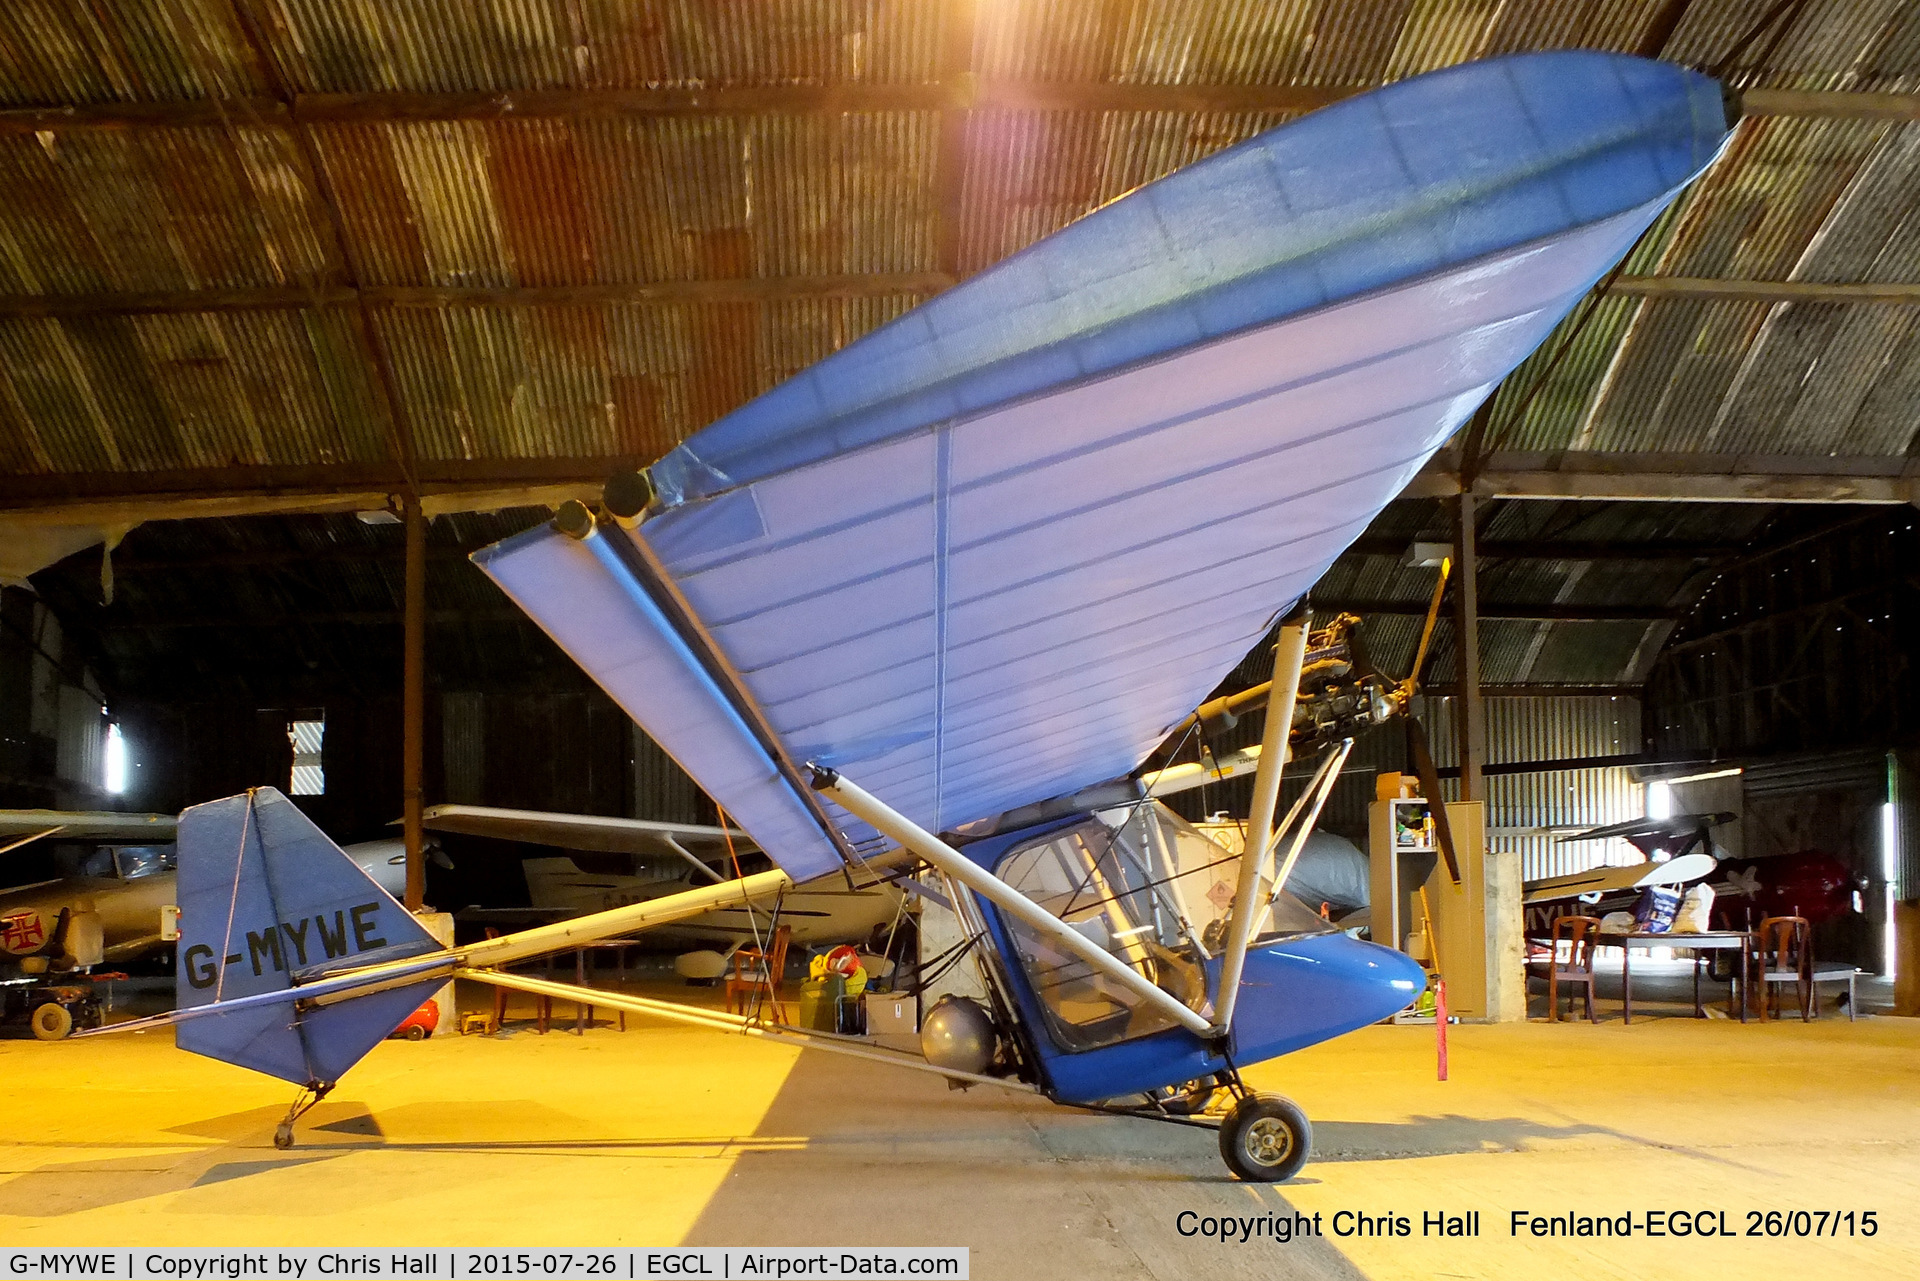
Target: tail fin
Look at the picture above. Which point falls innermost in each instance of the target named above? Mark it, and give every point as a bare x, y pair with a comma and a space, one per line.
266, 898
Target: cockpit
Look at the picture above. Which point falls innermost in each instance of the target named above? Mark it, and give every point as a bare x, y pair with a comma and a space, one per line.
1147, 887
128, 862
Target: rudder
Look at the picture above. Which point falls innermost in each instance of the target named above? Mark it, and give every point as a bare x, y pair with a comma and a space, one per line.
265, 899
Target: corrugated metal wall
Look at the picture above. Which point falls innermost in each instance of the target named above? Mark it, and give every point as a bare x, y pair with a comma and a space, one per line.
573, 752
463, 748
81, 739
1518, 729
661, 789
53, 733
1550, 729
1903, 786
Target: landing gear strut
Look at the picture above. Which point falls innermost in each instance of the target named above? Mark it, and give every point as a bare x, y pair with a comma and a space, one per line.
302, 1103
1264, 1138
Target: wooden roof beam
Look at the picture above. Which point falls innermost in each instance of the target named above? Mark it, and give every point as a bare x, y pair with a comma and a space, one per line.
1678, 478
778, 288
315, 618
294, 297
1562, 549
115, 498
1554, 613
1767, 291
961, 92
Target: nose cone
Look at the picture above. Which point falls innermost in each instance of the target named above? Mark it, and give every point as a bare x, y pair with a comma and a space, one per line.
1303, 991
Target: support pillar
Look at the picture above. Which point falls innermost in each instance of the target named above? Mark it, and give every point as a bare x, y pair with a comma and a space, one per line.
413, 700
1470, 724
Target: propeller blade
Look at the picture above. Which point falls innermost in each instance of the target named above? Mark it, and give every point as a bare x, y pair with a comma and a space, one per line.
1430, 788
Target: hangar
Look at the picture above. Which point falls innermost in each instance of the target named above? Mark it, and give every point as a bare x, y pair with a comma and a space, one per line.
303, 303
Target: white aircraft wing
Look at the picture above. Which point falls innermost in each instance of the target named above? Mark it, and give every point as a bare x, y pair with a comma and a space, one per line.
89, 825
1634, 876
591, 832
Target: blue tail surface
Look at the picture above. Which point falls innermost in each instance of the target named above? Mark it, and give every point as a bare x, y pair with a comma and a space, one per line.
266, 901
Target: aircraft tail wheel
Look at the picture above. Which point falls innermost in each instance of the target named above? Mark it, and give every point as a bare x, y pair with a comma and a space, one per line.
283, 1135
1265, 1138
51, 1022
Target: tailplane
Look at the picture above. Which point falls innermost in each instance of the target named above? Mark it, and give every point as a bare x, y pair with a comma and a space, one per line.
268, 902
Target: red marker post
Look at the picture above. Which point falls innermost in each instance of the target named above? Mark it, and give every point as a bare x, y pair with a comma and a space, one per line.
1440, 1023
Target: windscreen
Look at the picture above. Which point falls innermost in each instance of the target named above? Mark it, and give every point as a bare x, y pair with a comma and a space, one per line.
1201, 875
1139, 882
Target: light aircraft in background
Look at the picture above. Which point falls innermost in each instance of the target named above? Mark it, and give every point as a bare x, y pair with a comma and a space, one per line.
653, 860
1673, 852
112, 912
950, 588
1809, 883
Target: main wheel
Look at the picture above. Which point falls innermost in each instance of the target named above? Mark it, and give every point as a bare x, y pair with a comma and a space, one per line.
1265, 1139
52, 1021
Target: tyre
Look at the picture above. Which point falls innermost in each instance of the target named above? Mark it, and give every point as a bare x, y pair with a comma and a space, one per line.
283, 1135
52, 1022
1265, 1139
416, 1033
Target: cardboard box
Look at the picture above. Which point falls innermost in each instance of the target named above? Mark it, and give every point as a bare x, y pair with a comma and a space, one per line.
893, 1020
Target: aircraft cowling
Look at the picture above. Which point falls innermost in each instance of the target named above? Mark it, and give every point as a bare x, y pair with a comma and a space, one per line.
1810, 883
84, 944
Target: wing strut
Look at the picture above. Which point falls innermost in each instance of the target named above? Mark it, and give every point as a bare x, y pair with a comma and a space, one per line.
917, 840
29, 839
1320, 789
714, 1020
1288, 657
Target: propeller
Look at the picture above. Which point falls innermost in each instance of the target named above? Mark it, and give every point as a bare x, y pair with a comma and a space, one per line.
1417, 734
1430, 788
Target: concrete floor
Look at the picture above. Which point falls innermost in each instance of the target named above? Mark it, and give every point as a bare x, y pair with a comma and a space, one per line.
663, 1135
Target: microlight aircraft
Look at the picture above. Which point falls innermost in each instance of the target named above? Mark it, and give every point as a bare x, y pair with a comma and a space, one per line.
945, 591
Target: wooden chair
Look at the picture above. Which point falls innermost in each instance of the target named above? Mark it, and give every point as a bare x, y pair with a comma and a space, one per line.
1783, 948
1581, 935
757, 974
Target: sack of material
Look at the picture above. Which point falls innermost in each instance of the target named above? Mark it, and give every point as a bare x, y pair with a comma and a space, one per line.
1653, 914
1695, 909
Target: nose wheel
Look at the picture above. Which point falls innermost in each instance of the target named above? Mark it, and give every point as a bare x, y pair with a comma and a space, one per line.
1265, 1138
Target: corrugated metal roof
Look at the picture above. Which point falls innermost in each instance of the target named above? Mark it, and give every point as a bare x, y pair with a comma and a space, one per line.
53, 51
608, 198
167, 392
455, 45
433, 199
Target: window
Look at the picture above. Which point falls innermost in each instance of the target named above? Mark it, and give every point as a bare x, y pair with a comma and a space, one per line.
1132, 881
1079, 875
309, 775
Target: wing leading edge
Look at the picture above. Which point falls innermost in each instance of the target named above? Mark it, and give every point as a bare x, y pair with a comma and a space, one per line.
993, 551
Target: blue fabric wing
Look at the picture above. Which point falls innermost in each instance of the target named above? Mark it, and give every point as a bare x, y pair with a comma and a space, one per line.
586, 598
992, 552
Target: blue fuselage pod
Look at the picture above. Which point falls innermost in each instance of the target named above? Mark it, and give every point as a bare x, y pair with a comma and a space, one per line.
1296, 990
1293, 993
1301, 991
